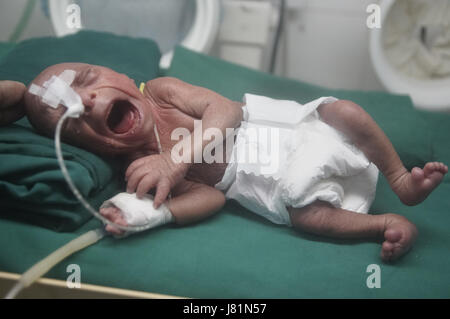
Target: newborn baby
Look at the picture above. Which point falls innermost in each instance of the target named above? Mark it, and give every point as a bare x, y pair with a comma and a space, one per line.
119, 120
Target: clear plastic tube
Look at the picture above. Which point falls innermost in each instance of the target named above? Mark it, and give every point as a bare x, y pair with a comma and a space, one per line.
76, 192
43, 266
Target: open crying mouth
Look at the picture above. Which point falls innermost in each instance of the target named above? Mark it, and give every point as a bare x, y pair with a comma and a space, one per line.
122, 117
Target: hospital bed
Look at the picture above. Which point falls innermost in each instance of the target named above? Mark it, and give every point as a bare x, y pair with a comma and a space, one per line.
234, 254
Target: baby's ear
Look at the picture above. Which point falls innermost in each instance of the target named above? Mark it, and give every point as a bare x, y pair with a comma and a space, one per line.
12, 106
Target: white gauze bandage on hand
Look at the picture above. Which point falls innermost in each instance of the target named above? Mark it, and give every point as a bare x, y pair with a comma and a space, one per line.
137, 212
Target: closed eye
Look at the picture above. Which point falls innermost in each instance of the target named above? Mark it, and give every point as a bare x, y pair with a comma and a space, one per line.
86, 77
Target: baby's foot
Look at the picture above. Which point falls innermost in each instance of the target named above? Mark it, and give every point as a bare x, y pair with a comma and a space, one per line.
114, 214
412, 188
399, 235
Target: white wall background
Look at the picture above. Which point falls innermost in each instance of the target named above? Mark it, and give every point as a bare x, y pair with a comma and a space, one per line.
325, 42
10, 13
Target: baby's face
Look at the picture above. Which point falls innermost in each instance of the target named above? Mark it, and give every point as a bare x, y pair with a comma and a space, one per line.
117, 117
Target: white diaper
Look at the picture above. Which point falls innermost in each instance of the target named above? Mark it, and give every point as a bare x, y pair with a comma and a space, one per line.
285, 156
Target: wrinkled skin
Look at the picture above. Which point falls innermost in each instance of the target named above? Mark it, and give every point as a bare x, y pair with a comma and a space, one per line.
120, 121
99, 88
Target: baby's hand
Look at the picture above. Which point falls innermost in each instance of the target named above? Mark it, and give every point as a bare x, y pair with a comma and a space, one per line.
152, 171
114, 214
11, 108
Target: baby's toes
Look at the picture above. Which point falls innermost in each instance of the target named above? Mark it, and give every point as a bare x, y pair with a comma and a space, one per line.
417, 174
442, 168
387, 251
399, 238
429, 168
434, 167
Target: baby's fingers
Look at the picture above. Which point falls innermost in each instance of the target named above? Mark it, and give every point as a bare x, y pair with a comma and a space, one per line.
146, 184
114, 215
133, 167
135, 178
162, 191
107, 212
114, 230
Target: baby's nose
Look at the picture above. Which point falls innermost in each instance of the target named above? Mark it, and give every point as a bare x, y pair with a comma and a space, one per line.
88, 99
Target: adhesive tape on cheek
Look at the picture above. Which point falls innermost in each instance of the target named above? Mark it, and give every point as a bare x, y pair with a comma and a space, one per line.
57, 91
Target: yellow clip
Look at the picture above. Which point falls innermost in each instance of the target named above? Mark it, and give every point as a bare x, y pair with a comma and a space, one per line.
142, 87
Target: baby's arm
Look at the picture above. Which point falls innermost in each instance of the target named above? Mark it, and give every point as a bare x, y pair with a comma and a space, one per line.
191, 202
194, 202
214, 111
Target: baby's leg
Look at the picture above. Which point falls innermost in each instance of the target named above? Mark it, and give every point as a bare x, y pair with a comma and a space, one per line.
321, 218
411, 187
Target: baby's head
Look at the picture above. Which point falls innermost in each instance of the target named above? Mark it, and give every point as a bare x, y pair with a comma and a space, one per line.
117, 118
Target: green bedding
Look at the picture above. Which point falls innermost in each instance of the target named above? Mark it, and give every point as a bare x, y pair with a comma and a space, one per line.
237, 254
31, 185
5, 47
